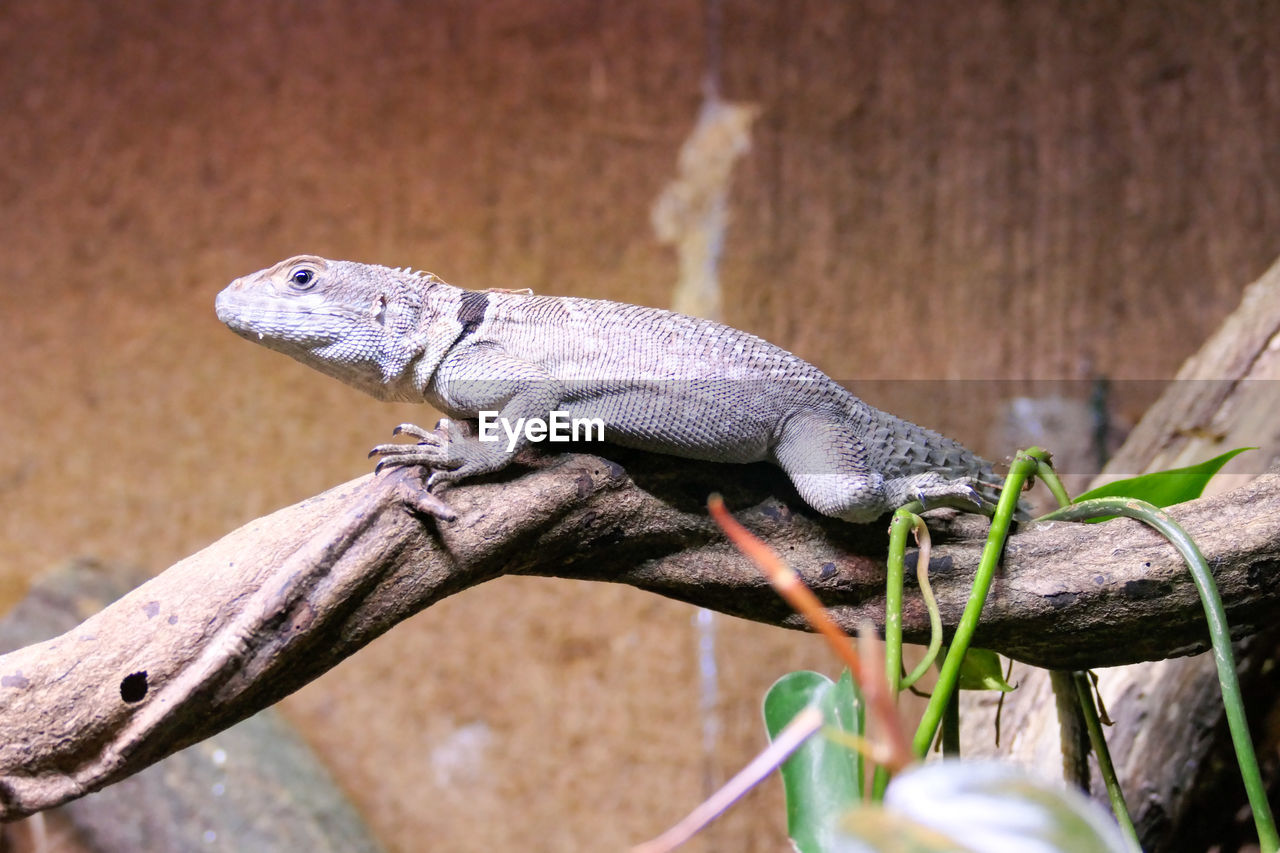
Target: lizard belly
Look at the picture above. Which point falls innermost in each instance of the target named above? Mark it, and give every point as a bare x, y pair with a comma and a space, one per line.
692, 419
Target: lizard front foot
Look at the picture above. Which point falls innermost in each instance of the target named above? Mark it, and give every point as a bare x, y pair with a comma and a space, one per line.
449, 451
430, 451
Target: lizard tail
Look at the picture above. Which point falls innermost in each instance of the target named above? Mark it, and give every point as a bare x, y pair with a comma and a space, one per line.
916, 450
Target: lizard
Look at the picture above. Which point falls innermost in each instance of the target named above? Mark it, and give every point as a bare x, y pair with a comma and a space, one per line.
659, 381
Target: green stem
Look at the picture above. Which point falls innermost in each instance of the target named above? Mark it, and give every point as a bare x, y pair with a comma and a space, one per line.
903, 521
1048, 476
935, 617
1024, 465
1219, 636
1084, 699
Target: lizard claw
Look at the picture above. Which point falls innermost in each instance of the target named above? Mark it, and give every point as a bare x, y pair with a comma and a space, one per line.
958, 495
430, 451
437, 477
424, 436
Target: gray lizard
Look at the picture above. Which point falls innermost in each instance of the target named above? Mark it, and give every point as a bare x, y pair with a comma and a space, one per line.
659, 381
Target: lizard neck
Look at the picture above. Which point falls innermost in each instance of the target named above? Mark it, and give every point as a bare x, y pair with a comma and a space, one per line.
449, 316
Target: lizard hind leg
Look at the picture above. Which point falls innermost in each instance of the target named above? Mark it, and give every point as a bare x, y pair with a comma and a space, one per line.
834, 473
830, 468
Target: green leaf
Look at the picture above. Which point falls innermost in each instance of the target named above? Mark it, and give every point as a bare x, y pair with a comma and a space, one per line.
982, 807
1166, 488
981, 670
822, 779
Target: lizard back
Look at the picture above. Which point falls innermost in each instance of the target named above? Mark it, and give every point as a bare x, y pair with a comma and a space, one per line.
717, 392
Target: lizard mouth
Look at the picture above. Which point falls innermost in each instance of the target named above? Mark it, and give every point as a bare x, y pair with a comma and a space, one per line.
252, 319
267, 319
235, 314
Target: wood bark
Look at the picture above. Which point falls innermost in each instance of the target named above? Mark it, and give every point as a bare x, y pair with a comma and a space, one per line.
1169, 742
254, 786
239, 625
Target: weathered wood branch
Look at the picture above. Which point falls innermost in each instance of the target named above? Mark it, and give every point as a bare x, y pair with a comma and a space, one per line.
254, 786
256, 615
1169, 743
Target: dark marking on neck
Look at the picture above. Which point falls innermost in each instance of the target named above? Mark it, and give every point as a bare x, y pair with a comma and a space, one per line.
471, 311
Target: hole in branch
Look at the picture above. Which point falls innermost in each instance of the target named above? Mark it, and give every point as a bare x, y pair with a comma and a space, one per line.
134, 687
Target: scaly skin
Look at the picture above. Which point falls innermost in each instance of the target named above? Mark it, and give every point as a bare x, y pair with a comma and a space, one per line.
660, 381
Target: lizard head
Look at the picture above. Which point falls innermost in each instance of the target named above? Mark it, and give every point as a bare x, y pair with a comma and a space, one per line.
356, 322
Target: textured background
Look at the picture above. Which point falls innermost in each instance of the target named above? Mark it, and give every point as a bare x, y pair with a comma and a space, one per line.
976, 191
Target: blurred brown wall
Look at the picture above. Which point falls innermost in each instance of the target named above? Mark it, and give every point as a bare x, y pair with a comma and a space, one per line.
949, 190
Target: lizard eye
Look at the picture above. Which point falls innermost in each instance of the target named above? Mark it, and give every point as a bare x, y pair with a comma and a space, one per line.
302, 278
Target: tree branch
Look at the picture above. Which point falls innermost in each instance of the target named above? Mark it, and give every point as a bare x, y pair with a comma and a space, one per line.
1170, 744
253, 617
273, 793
